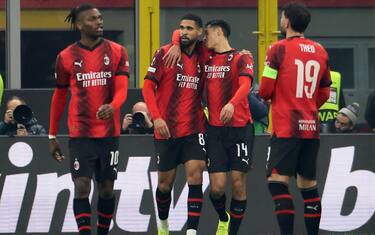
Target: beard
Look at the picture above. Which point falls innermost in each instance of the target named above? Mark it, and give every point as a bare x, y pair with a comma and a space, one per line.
187, 43
283, 32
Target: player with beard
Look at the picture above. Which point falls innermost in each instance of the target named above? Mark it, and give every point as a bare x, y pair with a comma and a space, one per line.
296, 79
173, 96
96, 70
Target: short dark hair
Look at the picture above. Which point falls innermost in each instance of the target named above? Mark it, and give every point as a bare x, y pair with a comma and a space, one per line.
198, 21
73, 14
298, 15
222, 24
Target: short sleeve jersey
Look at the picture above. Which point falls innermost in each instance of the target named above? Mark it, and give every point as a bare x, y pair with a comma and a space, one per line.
179, 93
90, 74
222, 72
301, 66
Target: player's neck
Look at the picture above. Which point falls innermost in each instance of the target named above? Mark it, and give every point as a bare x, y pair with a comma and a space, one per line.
222, 46
89, 42
291, 34
189, 49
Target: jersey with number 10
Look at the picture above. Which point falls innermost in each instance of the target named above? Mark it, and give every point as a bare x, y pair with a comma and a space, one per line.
299, 67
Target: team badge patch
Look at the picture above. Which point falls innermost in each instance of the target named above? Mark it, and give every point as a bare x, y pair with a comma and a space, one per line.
76, 164
106, 60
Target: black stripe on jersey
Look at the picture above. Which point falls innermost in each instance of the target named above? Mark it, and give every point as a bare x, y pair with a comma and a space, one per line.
122, 73
246, 74
172, 107
152, 78
62, 85
227, 83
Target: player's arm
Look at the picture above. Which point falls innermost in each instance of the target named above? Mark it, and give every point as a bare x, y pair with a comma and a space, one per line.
120, 88
152, 79
173, 55
245, 68
324, 88
57, 108
272, 62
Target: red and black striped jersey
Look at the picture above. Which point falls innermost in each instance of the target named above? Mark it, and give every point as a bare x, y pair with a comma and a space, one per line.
296, 69
222, 74
91, 73
178, 93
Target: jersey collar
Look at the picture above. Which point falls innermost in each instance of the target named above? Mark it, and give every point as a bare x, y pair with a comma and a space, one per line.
90, 48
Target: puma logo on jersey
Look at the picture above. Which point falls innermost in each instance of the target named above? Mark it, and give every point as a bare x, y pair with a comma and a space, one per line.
245, 160
315, 208
79, 64
180, 66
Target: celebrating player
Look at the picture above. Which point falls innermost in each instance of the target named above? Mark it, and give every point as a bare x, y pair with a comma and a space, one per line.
173, 96
96, 70
296, 79
230, 134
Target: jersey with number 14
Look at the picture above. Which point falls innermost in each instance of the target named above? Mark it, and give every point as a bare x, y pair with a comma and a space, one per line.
299, 67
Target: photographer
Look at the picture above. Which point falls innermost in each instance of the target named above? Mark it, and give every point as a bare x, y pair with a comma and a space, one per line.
139, 121
26, 124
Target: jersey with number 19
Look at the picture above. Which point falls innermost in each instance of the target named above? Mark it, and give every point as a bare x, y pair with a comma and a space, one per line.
299, 68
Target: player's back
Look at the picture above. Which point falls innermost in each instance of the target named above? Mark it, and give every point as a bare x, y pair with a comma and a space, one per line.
302, 70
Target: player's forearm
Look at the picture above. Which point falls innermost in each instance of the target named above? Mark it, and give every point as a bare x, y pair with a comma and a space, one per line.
176, 37
323, 95
148, 92
57, 109
243, 91
266, 88
121, 91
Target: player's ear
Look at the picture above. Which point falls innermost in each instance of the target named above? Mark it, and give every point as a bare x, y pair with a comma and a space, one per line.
79, 25
200, 31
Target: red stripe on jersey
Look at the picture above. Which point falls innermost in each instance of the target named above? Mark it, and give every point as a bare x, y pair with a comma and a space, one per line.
194, 214
311, 215
281, 196
83, 215
84, 228
284, 212
195, 200
316, 199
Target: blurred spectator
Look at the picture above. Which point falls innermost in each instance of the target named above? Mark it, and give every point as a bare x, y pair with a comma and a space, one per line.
139, 121
370, 111
259, 111
345, 121
11, 127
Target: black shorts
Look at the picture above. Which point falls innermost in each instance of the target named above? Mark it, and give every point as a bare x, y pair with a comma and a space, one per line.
174, 151
289, 156
94, 155
230, 148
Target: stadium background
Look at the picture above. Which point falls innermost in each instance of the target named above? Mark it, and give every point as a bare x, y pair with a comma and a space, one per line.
344, 27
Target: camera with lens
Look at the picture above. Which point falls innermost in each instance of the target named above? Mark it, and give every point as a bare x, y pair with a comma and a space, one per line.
22, 114
139, 124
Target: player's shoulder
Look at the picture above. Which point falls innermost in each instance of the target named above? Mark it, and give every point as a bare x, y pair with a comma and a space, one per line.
67, 50
274, 46
113, 44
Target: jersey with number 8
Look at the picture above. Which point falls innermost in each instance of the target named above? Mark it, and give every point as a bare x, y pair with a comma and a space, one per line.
295, 69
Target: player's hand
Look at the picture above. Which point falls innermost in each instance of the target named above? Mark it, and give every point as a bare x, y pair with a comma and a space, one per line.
172, 56
8, 116
246, 52
162, 128
21, 130
105, 112
128, 119
226, 113
55, 150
